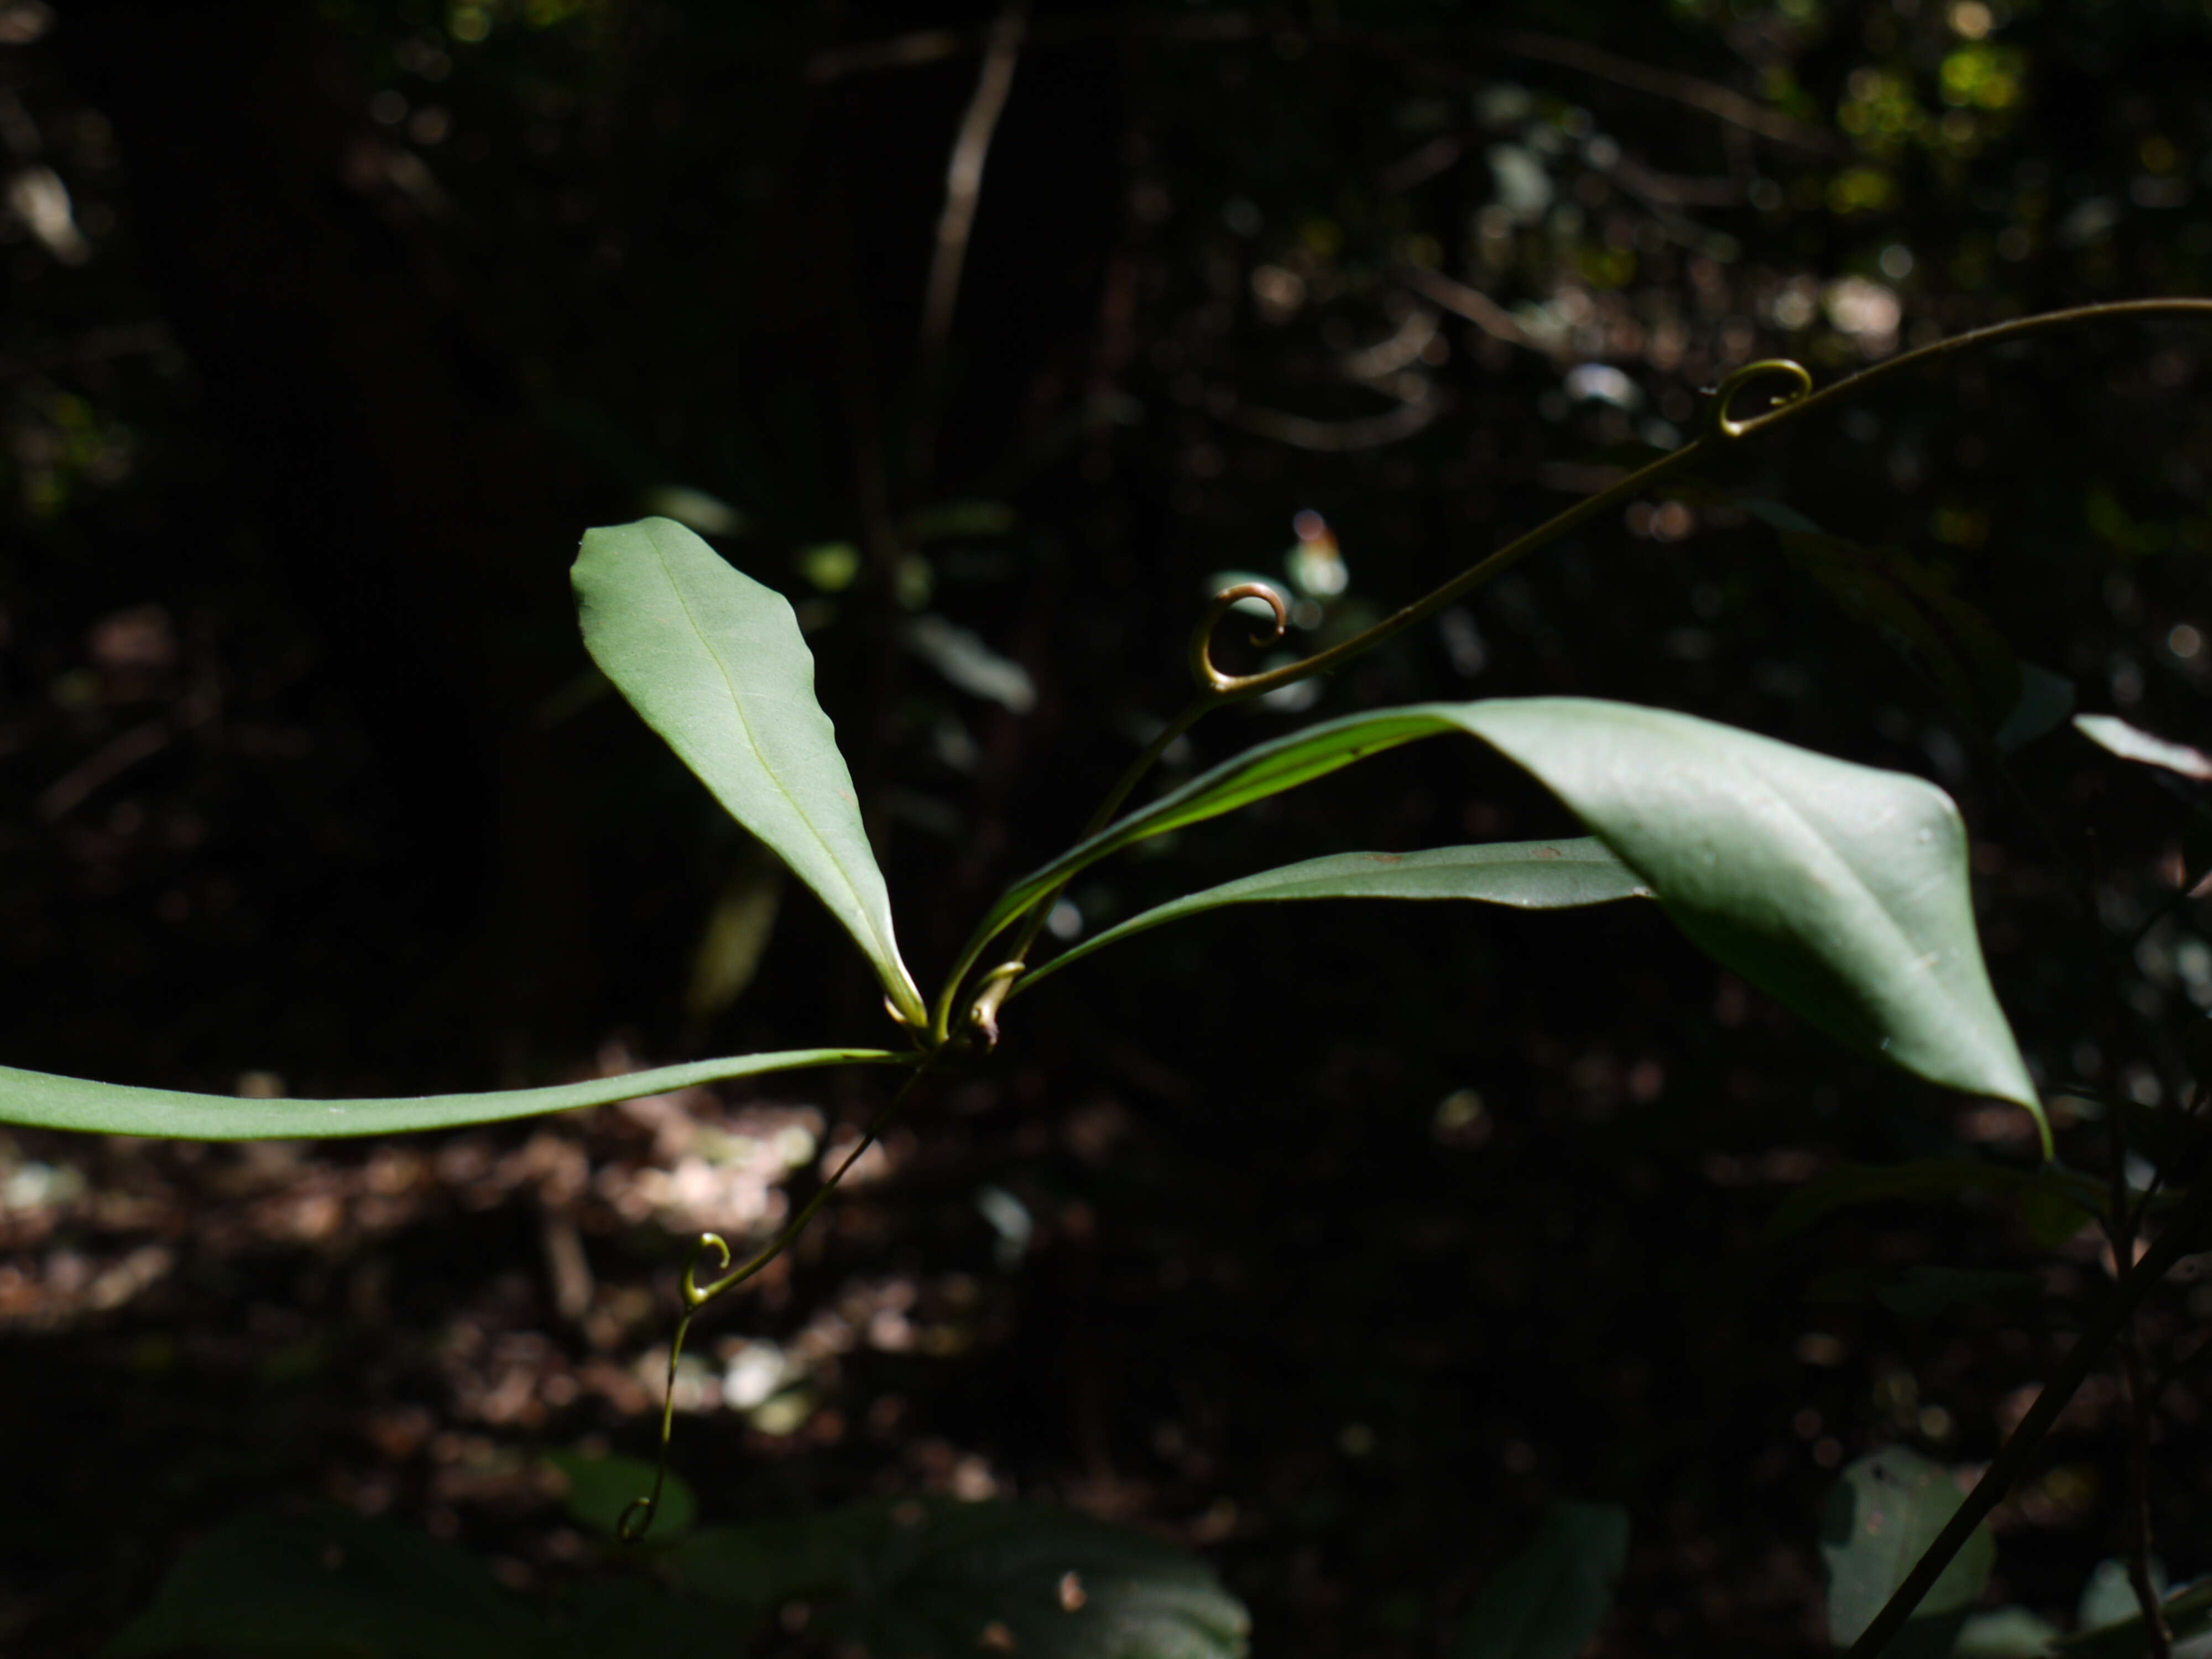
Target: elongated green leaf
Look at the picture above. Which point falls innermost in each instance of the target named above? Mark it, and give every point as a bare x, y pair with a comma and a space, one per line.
1885, 1512
46, 1102
1838, 888
1528, 875
1256, 773
714, 663
1548, 1601
931, 1579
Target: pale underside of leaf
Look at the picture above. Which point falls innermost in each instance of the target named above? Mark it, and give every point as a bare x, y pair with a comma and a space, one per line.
2185, 1614
2131, 743
40, 1100
714, 663
1537, 875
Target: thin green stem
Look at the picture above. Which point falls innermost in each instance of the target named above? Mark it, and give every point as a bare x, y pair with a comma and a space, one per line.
2135, 1283
636, 1519
984, 1011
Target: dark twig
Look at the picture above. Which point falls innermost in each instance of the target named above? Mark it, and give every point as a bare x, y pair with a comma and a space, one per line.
1478, 308
964, 185
1713, 100
2160, 1638
118, 756
2120, 1229
935, 45
922, 47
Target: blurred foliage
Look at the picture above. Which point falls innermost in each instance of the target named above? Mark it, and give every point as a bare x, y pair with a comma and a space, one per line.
1338, 1244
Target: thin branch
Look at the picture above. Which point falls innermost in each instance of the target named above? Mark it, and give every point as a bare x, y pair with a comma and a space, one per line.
2012, 1463
1713, 100
2120, 1229
964, 185
1341, 437
119, 754
1478, 308
98, 345
1417, 167
2161, 1639
924, 46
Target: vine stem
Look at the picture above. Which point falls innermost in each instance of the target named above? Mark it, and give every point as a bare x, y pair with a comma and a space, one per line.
2098, 1335
1722, 429
637, 1518
2139, 1523
2120, 1229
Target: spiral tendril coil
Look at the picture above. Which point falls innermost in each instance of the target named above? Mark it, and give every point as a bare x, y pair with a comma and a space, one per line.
1210, 678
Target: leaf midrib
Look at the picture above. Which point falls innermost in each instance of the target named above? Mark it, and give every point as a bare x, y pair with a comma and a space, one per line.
887, 952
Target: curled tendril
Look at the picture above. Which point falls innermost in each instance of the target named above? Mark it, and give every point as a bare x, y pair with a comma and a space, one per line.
637, 1518
1721, 424
990, 992
693, 1295
1201, 639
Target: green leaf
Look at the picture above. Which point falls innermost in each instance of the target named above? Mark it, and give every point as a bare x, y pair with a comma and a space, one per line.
736, 934
1528, 875
601, 1488
1548, 1602
1885, 1512
714, 663
332, 1582
1258, 773
2005, 1633
2188, 1613
2054, 1202
46, 1102
2045, 700
2109, 1597
970, 665
1840, 890
933, 1579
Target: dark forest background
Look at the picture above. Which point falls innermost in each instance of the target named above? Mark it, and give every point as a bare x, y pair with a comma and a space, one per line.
1333, 1242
